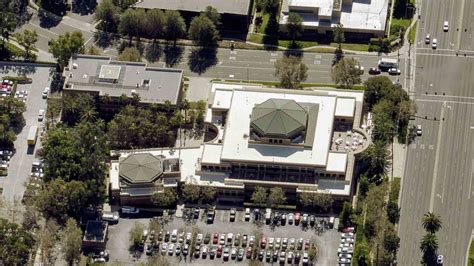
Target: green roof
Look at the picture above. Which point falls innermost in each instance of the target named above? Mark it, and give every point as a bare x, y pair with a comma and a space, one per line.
278, 118
141, 168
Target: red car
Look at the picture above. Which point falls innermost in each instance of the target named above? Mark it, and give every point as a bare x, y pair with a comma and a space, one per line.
348, 230
263, 242
219, 251
297, 218
306, 244
215, 238
248, 253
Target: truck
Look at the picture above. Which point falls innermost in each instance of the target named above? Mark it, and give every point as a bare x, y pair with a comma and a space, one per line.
32, 135
388, 63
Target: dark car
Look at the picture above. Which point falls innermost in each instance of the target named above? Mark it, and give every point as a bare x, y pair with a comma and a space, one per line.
374, 71
261, 253
233, 212
283, 219
312, 220
210, 216
195, 213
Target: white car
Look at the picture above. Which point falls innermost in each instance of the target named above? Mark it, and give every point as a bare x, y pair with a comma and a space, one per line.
199, 239
305, 257
434, 43
171, 249
427, 39
445, 26
394, 71
359, 67
418, 130
440, 259
45, 93
164, 248
41, 115
230, 237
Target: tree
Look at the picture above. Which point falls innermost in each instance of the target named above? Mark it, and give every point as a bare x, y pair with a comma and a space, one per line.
47, 244
377, 88
60, 199
346, 216
174, 26
202, 31
155, 23
130, 54
8, 23
27, 40
393, 212
290, 71
294, 26
277, 196
213, 15
363, 185
339, 35
346, 74
208, 193
165, 198
108, 15
58, 7
260, 195
191, 192
316, 200
391, 242
132, 24
384, 127
65, 46
362, 252
136, 234
16, 244
71, 240
431, 222
376, 159
429, 246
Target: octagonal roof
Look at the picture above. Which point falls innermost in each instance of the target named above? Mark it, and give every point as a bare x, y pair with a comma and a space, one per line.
141, 168
278, 118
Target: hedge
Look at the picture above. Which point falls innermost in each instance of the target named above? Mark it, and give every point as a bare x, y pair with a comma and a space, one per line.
19, 80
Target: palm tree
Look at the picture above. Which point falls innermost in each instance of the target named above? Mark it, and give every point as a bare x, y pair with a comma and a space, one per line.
431, 222
377, 160
429, 246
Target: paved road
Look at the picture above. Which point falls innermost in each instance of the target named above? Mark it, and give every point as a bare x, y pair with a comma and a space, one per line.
440, 163
20, 163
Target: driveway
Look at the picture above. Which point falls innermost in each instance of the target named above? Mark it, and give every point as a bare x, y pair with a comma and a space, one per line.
20, 163
118, 243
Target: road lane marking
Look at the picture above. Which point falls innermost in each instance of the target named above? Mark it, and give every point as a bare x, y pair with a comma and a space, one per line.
431, 147
472, 127
470, 184
233, 52
440, 101
274, 54
438, 147
273, 60
317, 62
231, 76
232, 58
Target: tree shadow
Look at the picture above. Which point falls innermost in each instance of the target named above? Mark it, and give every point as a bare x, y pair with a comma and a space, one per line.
202, 59
294, 50
173, 55
338, 55
153, 52
84, 7
270, 40
48, 20
105, 39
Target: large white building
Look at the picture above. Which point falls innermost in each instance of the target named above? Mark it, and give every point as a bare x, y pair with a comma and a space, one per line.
299, 140
366, 18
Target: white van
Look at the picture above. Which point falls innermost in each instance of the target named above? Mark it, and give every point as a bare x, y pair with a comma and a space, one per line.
110, 217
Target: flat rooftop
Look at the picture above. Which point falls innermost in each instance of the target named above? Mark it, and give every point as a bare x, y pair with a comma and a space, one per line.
367, 15
114, 78
238, 7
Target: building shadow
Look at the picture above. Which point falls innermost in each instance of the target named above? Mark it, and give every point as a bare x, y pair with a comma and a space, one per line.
173, 55
202, 58
294, 50
270, 40
105, 39
48, 20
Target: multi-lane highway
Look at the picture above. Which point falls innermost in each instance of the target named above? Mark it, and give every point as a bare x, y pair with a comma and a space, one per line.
440, 164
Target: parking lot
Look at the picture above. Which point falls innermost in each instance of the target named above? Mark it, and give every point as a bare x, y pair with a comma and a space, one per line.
327, 240
20, 165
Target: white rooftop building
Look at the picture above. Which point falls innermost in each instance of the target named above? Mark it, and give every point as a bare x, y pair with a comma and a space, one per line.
296, 139
363, 17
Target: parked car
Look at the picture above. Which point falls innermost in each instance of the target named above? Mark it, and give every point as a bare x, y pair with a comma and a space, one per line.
185, 250
418, 130
41, 115
374, 71
233, 212
244, 240
248, 253
440, 259
251, 241
284, 243
222, 239
45, 92
290, 258
233, 253
240, 254
215, 238
230, 237
205, 249
261, 254
226, 254
199, 239
305, 219
164, 248
178, 250
283, 219
247, 214
207, 238
130, 210
282, 256
263, 242
291, 218
171, 249
210, 216
297, 218
212, 253
219, 251
237, 240
305, 258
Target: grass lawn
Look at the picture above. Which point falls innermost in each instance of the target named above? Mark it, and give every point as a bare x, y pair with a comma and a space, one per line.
257, 38
353, 46
263, 26
471, 253
276, 84
401, 21
412, 34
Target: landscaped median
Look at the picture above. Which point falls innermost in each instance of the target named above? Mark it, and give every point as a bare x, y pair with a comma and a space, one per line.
277, 84
471, 253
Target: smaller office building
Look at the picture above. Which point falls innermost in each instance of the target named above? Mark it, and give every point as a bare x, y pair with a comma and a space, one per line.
235, 14
136, 177
103, 77
95, 236
360, 19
